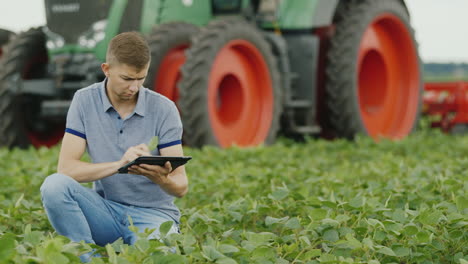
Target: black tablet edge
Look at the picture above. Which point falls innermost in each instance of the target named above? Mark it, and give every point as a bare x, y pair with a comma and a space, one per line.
124, 168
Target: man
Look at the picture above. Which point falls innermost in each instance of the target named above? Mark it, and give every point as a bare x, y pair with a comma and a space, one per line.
114, 121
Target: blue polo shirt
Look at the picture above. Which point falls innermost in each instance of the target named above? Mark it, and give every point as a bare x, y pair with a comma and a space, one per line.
92, 117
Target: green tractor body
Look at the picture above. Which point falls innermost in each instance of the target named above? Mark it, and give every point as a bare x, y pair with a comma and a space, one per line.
240, 71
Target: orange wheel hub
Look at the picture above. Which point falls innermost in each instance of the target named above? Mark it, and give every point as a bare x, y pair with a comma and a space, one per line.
240, 95
168, 74
388, 78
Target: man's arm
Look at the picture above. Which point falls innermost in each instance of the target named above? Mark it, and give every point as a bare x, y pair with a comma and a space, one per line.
173, 182
73, 148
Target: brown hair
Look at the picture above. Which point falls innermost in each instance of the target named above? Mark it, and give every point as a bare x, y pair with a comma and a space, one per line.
129, 48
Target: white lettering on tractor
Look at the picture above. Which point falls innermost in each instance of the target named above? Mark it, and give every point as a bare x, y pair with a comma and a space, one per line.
66, 8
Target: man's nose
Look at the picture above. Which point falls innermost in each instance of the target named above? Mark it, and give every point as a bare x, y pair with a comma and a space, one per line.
134, 86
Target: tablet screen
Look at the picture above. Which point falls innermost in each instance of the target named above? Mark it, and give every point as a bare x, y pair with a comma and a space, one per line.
175, 161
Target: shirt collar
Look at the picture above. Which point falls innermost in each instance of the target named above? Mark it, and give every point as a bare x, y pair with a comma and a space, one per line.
139, 108
141, 102
105, 100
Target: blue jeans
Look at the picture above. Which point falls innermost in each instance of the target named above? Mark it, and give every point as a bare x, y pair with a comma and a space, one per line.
79, 213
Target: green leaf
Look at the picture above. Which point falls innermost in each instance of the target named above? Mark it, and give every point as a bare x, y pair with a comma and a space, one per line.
236, 215
142, 245
272, 220
188, 240
56, 258
279, 194
353, 242
430, 218
462, 203
342, 218
318, 213
331, 235
380, 236
225, 249
169, 259
386, 251
165, 227
456, 234
7, 247
368, 243
423, 237
264, 253
20, 199
401, 251
305, 240
226, 261
410, 230
211, 254
399, 216
330, 222
281, 261
375, 222
111, 252
260, 239
33, 238
153, 144
324, 258
312, 253
357, 202
293, 223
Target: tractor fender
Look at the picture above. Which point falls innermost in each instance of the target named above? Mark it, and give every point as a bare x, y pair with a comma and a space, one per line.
320, 13
331, 19
279, 48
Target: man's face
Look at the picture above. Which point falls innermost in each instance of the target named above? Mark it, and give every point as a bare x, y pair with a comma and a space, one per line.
124, 81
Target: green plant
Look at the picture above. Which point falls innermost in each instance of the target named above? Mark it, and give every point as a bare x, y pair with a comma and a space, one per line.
317, 202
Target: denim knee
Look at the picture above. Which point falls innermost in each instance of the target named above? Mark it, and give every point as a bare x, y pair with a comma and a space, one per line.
56, 186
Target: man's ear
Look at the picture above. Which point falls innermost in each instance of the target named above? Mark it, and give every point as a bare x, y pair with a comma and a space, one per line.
105, 68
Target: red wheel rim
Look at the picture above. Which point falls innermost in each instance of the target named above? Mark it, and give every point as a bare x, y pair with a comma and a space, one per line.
388, 78
52, 135
46, 139
168, 74
240, 95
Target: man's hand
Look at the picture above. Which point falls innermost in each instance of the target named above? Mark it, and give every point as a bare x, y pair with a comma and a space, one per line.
173, 182
134, 152
157, 174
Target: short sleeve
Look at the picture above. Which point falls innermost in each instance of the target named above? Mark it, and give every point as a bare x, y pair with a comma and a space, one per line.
75, 124
171, 128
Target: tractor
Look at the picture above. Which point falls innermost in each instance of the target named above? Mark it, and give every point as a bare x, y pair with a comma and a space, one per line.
241, 72
5, 36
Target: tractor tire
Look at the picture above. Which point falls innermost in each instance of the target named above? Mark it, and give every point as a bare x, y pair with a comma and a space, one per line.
168, 43
25, 58
230, 90
5, 36
459, 129
373, 71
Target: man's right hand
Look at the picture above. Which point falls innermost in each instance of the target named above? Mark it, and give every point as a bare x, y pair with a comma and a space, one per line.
134, 152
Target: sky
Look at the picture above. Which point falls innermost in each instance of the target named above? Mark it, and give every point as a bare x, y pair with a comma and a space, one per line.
441, 25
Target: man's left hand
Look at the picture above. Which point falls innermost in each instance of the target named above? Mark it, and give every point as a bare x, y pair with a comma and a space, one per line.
157, 174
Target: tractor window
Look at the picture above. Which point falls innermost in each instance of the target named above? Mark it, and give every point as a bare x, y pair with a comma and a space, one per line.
132, 16
226, 6
71, 18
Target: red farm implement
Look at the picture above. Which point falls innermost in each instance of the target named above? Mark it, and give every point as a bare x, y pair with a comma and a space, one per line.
447, 104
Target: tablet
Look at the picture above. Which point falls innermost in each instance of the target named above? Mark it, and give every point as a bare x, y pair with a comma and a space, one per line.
156, 160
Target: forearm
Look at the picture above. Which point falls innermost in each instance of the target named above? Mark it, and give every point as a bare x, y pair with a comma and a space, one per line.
174, 185
86, 172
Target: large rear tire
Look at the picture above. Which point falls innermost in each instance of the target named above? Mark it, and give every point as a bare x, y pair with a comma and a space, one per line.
20, 123
168, 43
373, 71
230, 91
5, 36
